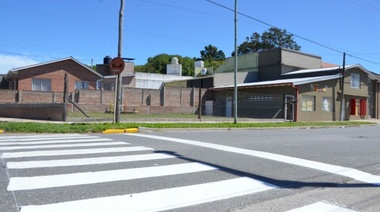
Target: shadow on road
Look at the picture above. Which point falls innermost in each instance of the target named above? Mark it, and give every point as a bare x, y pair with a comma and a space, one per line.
280, 183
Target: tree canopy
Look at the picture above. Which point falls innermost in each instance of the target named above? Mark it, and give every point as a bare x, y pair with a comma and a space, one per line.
273, 38
211, 53
157, 64
212, 57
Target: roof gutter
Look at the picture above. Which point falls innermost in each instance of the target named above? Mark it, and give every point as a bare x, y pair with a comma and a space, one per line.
252, 86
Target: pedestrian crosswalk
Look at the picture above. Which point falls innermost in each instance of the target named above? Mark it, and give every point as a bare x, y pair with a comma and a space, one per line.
32, 161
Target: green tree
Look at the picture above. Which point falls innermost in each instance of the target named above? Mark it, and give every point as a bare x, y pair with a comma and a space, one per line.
212, 57
273, 38
211, 53
157, 64
187, 66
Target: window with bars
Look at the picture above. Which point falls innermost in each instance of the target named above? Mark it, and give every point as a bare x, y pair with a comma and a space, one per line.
41, 84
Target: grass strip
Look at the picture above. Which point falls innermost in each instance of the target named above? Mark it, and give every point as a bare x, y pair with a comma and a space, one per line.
33, 127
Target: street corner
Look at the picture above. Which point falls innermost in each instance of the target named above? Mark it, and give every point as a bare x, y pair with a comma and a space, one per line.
114, 131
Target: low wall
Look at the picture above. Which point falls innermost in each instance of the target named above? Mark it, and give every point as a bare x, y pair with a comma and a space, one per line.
53, 111
145, 101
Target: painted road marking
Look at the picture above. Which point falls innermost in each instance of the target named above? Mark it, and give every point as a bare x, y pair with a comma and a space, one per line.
49, 181
334, 169
39, 137
86, 161
159, 200
48, 146
72, 152
51, 141
321, 207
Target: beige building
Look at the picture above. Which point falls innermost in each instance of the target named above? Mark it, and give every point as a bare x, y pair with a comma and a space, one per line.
295, 86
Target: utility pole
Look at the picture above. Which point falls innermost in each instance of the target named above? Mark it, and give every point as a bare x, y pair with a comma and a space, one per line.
236, 66
342, 100
118, 76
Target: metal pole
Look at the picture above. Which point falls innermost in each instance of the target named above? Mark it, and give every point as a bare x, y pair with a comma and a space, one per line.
342, 103
200, 104
65, 97
118, 85
236, 66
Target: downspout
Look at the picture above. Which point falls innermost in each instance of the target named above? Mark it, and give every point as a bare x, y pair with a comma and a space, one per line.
296, 107
377, 99
296, 103
99, 84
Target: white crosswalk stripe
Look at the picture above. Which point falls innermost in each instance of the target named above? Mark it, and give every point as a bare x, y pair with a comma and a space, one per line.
85, 161
35, 141
27, 183
73, 152
27, 155
321, 207
49, 146
43, 137
158, 200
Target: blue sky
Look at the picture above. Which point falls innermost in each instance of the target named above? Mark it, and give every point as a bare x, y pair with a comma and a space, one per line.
43, 30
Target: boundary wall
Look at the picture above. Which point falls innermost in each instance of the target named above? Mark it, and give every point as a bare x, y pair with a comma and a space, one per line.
133, 100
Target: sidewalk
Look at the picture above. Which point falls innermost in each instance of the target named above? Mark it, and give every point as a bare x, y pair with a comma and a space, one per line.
4, 119
158, 120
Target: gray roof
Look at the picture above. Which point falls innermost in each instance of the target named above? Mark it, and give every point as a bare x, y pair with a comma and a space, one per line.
282, 82
304, 71
300, 81
347, 67
15, 70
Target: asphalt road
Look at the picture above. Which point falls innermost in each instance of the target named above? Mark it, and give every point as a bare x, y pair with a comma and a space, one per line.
193, 170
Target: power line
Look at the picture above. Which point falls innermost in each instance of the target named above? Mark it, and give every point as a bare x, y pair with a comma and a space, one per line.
270, 25
366, 60
298, 36
57, 16
366, 5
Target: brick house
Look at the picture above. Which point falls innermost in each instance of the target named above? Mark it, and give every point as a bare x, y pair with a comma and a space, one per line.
49, 76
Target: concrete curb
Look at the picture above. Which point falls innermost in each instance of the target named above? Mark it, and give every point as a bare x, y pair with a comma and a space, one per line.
113, 131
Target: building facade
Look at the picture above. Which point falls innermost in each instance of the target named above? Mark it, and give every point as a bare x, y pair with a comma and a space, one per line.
295, 86
50, 76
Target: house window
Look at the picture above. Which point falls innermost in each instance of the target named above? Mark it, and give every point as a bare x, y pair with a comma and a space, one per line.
81, 85
308, 103
41, 84
355, 80
260, 98
327, 104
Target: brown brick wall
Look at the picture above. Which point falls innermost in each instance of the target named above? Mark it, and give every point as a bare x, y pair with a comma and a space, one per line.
132, 96
35, 97
12, 96
8, 96
133, 99
33, 111
89, 96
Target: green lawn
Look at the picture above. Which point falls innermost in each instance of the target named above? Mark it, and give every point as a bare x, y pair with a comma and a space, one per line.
34, 127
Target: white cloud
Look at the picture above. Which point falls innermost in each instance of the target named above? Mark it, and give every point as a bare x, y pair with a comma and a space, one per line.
8, 62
